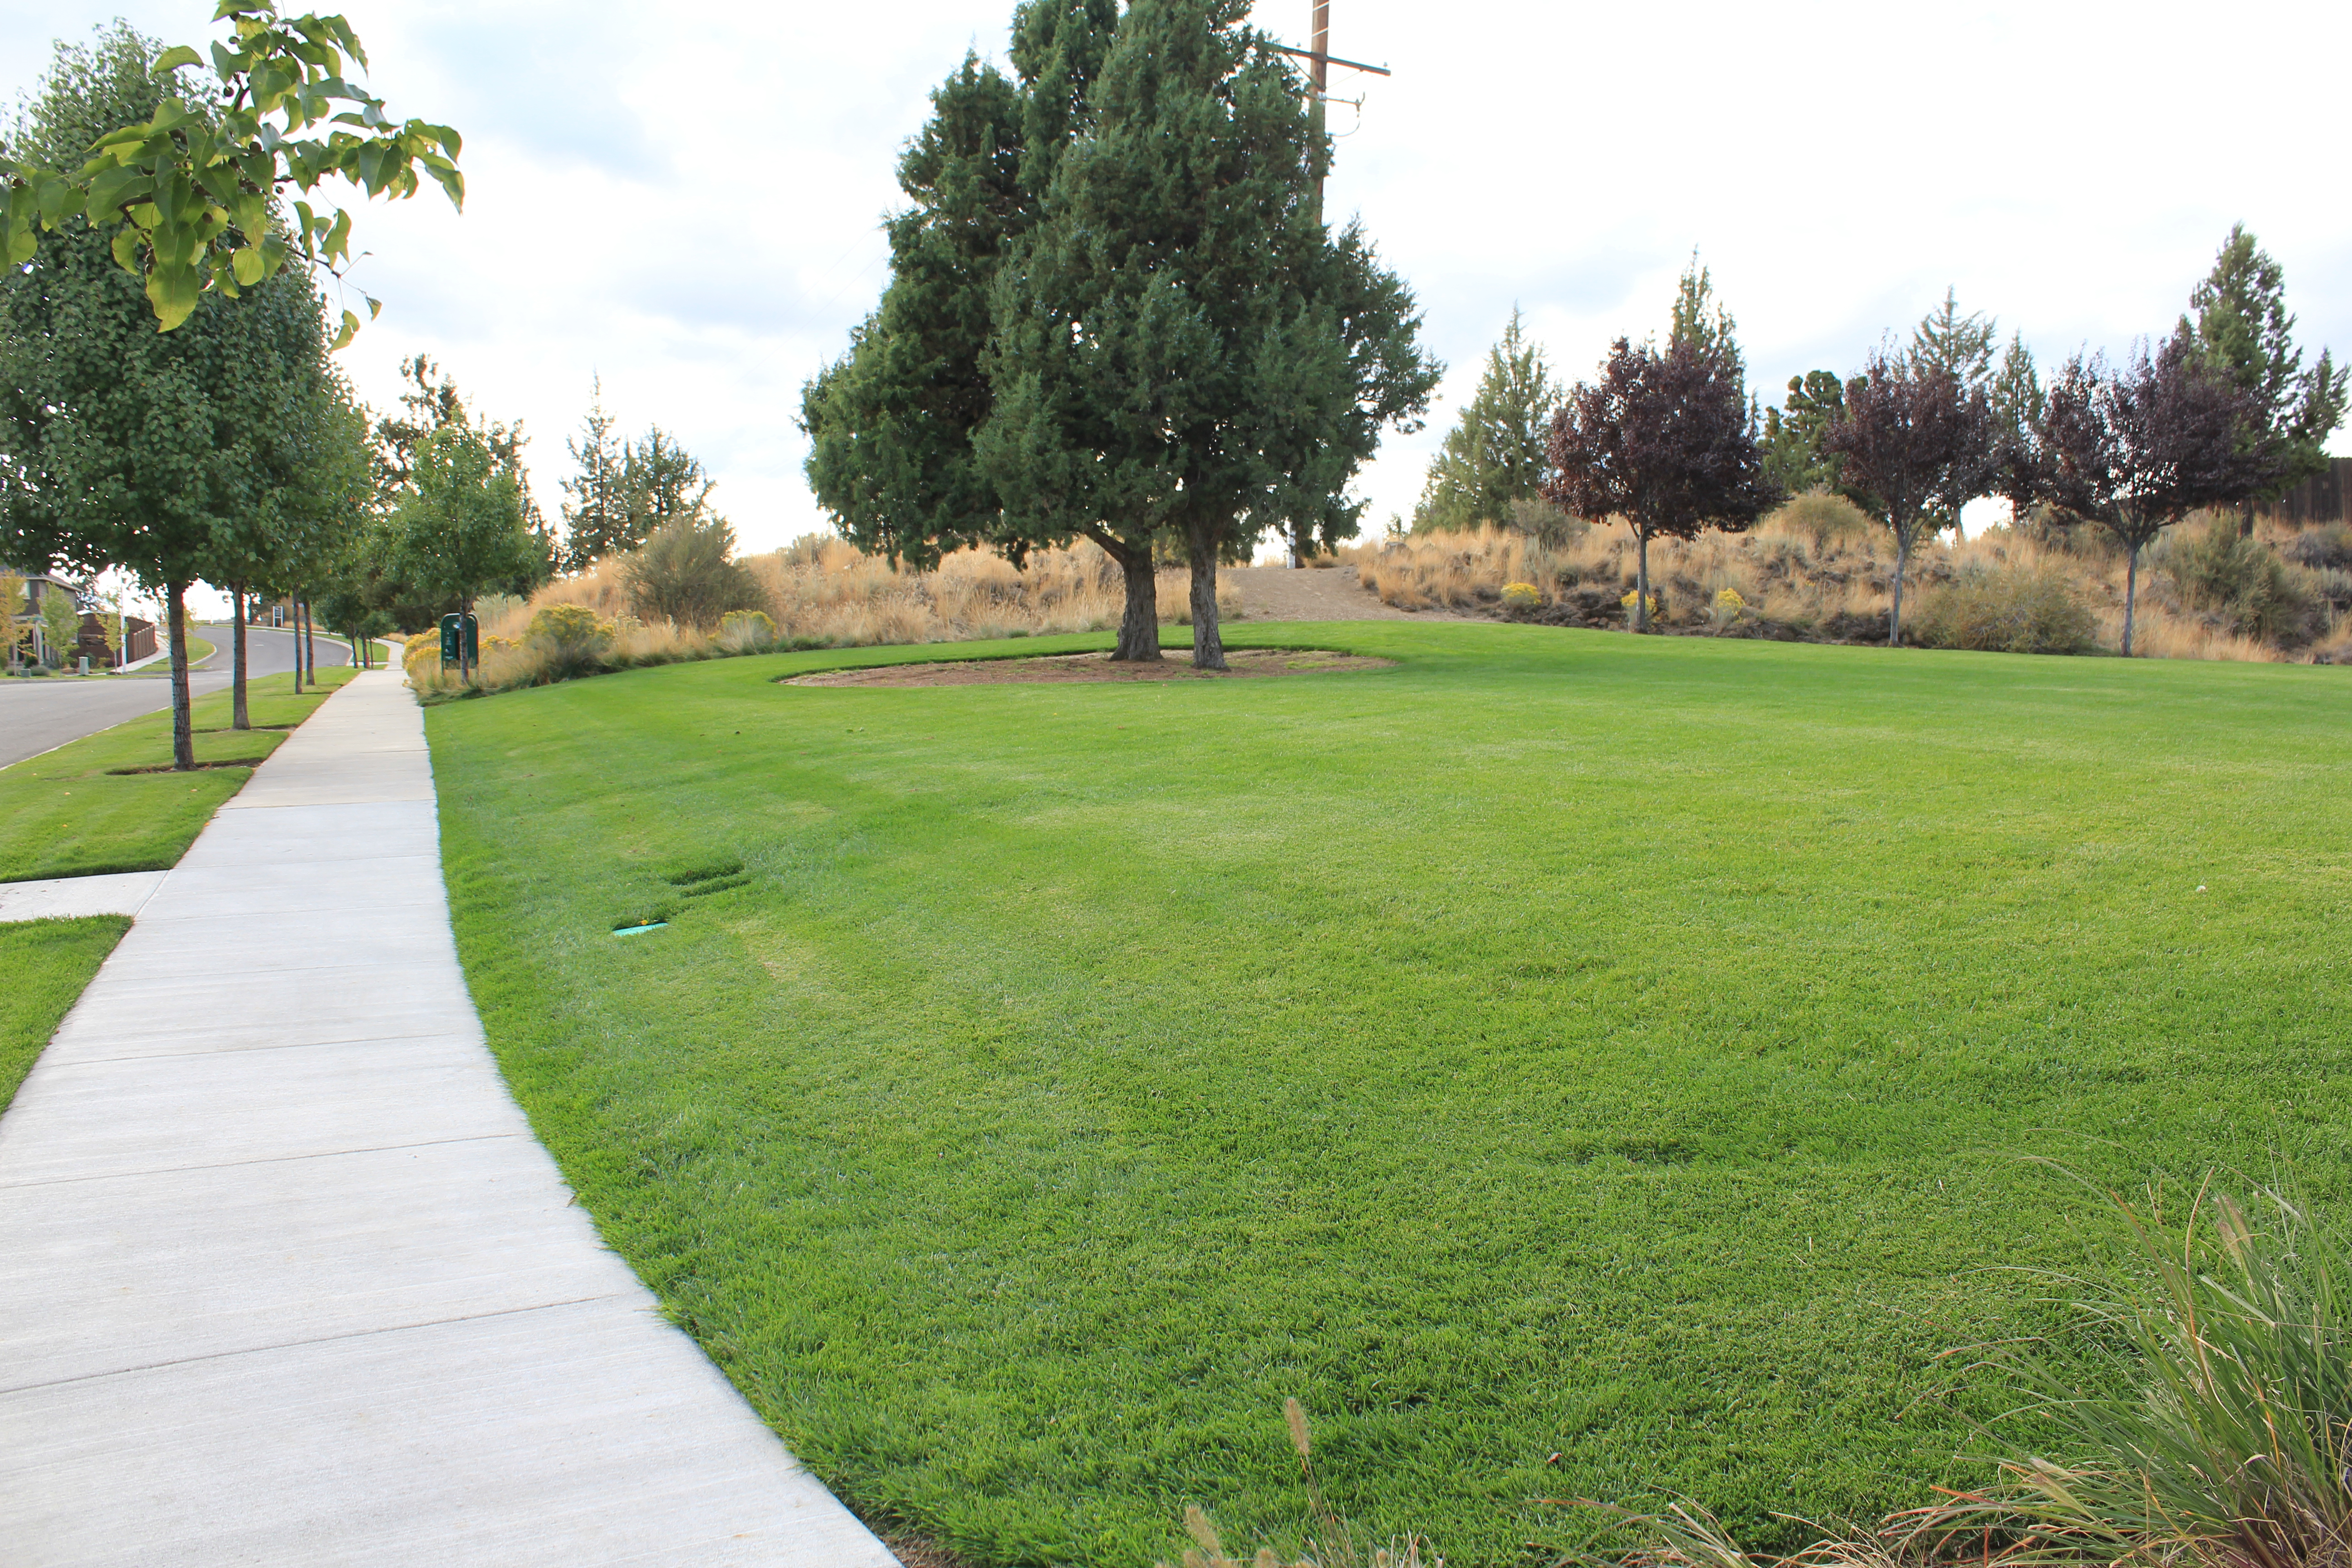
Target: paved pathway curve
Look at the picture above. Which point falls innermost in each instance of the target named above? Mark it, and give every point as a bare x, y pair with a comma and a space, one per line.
285, 1277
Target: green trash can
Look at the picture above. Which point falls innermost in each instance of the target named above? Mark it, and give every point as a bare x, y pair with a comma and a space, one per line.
450, 633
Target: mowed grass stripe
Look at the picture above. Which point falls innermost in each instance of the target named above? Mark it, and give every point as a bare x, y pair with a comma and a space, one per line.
1563, 1042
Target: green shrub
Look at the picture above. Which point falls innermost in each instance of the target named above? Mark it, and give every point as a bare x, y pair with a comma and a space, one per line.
2007, 609
569, 640
686, 573
2242, 579
747, 631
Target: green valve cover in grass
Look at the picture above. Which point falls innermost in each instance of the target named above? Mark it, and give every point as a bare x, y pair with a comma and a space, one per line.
1562, 1043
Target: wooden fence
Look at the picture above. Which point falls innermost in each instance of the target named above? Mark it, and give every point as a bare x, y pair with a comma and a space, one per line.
2319, 498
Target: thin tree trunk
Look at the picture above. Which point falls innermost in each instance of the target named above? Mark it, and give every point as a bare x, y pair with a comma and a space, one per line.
2246, 521
1894, 610
1641, 617
239, 719
310, 641
2131, 595
465, 643
1208, 645
1139, 622
297, 617
183, 735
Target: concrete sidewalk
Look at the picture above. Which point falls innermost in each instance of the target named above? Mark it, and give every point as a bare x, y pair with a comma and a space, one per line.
284, 1276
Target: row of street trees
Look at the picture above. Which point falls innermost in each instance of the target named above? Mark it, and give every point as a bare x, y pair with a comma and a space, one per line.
1115, 313
167, 403
226, 448
2221, 413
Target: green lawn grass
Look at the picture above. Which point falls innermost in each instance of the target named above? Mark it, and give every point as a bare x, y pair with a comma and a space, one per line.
1563, 1043
48, 963
67, 813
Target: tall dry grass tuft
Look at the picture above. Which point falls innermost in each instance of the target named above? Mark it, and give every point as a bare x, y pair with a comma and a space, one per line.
2199, 1416
1329, 1541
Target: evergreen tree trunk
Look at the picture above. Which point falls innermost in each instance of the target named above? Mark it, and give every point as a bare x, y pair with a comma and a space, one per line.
183, 735
2131, 594
1208, 645
1895, 609
1640, 621
239, 718
1139, 624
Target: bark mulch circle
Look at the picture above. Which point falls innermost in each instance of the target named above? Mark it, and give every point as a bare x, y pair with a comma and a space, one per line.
1076, 667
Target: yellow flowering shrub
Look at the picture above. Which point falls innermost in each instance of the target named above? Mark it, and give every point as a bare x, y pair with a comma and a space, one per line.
1522, 596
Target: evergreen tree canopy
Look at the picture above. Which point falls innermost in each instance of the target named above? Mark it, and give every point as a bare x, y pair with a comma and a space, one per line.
1793, 457
2243, 328
1946, 339
622, 492
1180, 345
1701, 320
1499, 451
890, 423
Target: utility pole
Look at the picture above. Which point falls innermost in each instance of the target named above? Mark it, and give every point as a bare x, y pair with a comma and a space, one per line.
1320, 61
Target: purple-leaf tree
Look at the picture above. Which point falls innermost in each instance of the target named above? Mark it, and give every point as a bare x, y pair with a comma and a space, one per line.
1917, 445
2137, 448
1666, 441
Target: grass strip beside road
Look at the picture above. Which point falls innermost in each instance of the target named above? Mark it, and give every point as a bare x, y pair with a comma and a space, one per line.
1573, 1064
49, 963
67, 813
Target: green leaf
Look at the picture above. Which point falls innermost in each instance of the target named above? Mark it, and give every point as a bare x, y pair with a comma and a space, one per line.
128, 243
173, 291
250, 266
351, 329
21, 244
173, 59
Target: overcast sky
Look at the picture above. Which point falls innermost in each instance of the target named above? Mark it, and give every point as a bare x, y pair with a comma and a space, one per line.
686, 201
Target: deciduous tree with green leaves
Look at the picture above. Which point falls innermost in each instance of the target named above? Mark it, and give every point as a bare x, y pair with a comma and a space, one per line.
119, 446
460, 529
1179, 346
198, 195
1499, 450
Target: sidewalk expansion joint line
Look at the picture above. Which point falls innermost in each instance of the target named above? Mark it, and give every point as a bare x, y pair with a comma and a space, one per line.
321, 1339
259, 1160
275, 1046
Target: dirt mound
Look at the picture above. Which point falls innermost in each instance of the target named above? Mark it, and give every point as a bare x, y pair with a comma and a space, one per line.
1075, 666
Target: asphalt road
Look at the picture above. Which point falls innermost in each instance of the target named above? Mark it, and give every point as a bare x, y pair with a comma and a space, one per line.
36, 716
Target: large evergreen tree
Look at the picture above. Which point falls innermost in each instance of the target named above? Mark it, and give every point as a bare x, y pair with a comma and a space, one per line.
1181, 348
890, 423
1498, 451
2243, 328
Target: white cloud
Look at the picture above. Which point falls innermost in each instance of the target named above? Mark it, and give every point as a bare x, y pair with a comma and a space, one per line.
686, 201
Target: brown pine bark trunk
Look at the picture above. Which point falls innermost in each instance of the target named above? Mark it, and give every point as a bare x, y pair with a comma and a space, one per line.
1208, 639
1138, 622
239, 718
183, 735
